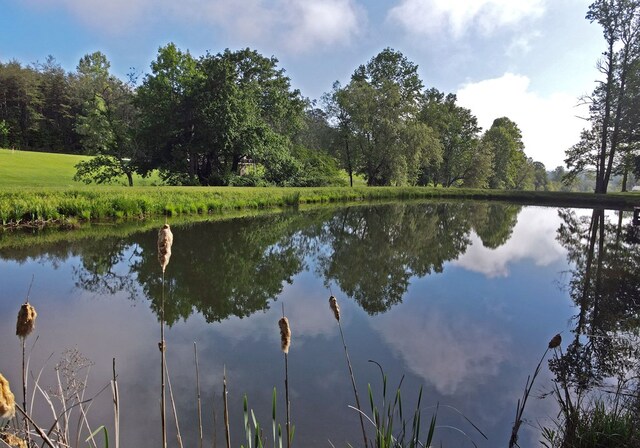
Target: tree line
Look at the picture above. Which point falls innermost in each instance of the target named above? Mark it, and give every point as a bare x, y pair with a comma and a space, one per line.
232, 118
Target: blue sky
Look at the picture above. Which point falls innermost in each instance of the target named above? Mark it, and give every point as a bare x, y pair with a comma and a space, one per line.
529, 60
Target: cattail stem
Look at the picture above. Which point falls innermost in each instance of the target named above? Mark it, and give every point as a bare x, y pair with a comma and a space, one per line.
353, 384
116, 405
286, 394
162, 373
513, 441
195, 354
226, 407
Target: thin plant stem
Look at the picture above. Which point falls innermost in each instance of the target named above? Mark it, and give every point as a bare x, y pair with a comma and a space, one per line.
286, 394
195, 354
173, 407
513, 441
162, 372
116, 405
353, 384
226, 407
46, 440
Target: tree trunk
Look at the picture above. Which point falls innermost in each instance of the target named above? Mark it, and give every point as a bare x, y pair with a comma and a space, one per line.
129, 178
600, 187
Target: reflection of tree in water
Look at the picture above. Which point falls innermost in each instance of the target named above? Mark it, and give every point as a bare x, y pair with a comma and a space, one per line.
237, 267
605, 286
375, 251
230, 268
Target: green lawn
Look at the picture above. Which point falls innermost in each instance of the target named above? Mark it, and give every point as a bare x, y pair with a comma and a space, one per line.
41, 169
39, 187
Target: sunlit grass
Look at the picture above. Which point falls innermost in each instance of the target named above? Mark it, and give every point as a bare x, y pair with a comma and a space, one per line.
20, 169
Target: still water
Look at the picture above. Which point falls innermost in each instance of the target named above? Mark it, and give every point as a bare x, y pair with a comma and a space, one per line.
459, 298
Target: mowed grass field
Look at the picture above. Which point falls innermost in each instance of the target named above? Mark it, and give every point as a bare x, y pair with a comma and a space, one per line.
19, 169
37, 188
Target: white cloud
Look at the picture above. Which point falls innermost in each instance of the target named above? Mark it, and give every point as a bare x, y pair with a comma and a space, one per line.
549, 124
458, 16
530, 240
297, 25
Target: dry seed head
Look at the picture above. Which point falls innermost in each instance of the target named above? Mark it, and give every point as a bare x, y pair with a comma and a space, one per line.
26, 320
555, 341
12, 440
7, 400
165, 240
285, 334
333, 304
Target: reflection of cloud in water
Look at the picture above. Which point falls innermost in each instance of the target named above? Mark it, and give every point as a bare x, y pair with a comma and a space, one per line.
306, 306
452, 353
530, 240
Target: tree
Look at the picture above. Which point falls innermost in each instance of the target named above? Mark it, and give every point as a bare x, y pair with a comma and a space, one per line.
464, 160
106, 124
377, 113
540, 180
620, 21
505, 142
201, 117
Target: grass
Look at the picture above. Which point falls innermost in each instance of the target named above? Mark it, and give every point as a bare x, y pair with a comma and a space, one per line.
20, 169
37, 188
38, 205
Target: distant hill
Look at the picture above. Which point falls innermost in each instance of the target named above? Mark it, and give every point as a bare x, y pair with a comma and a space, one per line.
42, 169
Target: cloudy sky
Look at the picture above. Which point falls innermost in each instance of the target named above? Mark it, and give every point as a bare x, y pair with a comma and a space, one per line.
529, 60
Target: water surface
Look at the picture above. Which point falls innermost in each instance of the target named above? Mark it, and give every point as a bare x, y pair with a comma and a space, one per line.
459, 298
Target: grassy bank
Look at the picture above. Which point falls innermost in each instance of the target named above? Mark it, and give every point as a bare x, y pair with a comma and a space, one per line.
39, 205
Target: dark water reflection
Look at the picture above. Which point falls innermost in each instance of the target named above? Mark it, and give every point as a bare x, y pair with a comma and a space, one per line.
460, 298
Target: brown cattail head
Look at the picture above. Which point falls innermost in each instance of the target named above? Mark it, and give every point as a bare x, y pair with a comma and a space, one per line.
12, 440
555, 341
333, 304
285, 334
7, 400
165, 240
26, 320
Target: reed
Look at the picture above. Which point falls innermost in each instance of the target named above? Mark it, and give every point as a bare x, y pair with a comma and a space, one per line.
285, 343
165, 241
554, 343
333, 304
24, 327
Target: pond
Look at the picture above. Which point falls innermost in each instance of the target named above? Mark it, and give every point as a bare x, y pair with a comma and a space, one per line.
460, 299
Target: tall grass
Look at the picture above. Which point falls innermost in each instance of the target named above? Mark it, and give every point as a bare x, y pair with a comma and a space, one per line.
35, 206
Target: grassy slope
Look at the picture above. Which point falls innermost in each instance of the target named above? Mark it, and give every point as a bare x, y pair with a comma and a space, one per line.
39, 187
20, 169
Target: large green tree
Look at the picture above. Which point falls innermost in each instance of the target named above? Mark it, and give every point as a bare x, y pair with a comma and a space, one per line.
465, 161
106, 123
378, 113
201, 117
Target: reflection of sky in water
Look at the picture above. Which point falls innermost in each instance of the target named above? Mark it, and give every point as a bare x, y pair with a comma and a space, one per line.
470, 335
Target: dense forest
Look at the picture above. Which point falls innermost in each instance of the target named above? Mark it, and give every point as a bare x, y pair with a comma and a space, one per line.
233, 118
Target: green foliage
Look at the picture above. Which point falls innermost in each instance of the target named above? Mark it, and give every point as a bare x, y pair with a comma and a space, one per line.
379, 134
464, 162
201, 117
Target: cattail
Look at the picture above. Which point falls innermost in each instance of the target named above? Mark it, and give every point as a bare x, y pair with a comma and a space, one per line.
285, 334
165, 240
555, 341
7, 400
26, 320
333, 304
13, 440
